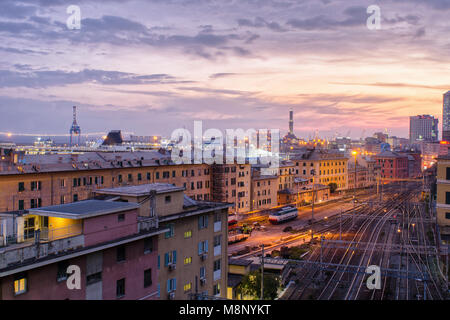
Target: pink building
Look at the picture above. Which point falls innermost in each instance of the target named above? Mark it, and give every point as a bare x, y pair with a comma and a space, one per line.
115, 249
393, 165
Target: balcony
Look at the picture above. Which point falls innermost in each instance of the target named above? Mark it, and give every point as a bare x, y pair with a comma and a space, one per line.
52, 234
217, 226
29, 251
146, 224
217, 250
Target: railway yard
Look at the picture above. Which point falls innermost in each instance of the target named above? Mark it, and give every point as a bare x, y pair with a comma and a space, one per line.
396, 233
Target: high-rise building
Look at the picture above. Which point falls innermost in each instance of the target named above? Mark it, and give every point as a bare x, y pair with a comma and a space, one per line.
446, 117
423, 128
291, 122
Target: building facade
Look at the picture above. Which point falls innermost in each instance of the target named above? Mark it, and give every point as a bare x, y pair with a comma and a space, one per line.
192, 254
114, 249
443, 196
392, 165
46, 180
446, 117
423, 128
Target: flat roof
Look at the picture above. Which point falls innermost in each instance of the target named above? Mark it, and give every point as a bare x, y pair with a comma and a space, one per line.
84, 209
141, 190
239, 262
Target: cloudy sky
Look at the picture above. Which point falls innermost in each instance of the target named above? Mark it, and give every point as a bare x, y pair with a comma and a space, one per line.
151, 66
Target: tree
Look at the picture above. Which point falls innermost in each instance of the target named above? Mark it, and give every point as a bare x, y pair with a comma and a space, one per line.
251, 285
333, 186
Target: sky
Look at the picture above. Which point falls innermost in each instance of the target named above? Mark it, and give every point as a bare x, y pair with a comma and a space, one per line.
152, 66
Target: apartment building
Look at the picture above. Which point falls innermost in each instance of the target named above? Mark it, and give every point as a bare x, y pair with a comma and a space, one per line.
392, 165
31, 181
263, 192
231, 183
443, 196
112, 246
363, 178
324, 166
192, 254
287, 173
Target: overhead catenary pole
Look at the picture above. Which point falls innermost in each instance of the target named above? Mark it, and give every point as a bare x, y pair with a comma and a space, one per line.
262, 273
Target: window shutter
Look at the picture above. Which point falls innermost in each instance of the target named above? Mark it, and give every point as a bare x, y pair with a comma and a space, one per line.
206, 221
175, 284
200, 222
175, 256
168, 285
199, 248
166, 259
206, 246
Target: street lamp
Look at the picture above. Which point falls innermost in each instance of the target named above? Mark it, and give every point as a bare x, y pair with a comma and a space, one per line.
313, 173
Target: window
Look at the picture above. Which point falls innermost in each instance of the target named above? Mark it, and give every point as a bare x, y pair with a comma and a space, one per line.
171, 285
93, 278
139, 176
130, 177
75, 197
202, 247
202, 272
36, 185
21, 186
216, 289
217, 240
171, 232
167, 199
447, 215
170, 258
173, 174
187, 287
217, 264
188, 260
121, 256
188, 234
148, 176
61, 274
20, 284
121, 217
21, 204
203, 222
447, 198
120, 288
147, 278
166, 174
157, 175
148, 245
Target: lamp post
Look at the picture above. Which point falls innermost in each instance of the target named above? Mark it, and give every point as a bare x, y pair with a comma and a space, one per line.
313, 173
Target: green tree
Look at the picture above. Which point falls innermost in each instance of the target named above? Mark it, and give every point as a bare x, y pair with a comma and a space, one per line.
251, 285
333, 187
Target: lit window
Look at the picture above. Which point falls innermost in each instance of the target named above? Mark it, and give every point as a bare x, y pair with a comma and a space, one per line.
188, 260
187, 287
188, 234
20, 284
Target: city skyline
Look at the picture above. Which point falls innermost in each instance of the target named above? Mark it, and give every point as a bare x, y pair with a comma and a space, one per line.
153, 67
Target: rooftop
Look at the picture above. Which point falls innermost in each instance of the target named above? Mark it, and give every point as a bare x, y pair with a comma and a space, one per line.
83, 161
239, 262
141, 190
84, 209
